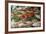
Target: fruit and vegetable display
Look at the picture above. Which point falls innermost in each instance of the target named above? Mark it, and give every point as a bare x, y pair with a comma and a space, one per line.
25, 16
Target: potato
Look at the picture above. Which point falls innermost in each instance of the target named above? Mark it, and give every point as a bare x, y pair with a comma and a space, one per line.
29, 23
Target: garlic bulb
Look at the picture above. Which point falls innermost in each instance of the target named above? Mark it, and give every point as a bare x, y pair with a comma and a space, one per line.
36, 24
13, 23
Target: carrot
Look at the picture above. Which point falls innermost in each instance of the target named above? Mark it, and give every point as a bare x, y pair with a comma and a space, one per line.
27, 15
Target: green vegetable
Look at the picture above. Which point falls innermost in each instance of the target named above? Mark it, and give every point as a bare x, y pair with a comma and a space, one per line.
16, 19
17, 12
31, 18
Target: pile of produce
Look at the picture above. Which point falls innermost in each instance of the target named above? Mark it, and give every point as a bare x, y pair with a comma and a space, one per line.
25, 16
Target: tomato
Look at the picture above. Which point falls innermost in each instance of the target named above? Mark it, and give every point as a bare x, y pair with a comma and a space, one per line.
27, 15
23, 16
